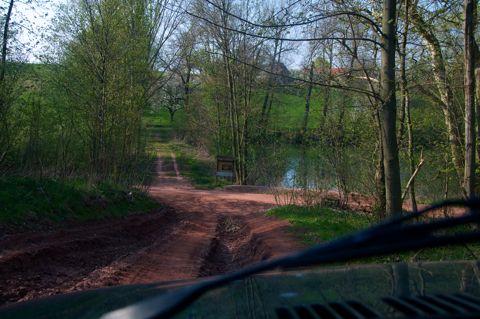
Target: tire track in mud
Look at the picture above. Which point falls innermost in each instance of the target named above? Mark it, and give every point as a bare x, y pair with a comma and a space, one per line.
52, 263
233, 247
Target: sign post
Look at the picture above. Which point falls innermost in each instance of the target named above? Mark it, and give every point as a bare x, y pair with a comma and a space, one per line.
225, 168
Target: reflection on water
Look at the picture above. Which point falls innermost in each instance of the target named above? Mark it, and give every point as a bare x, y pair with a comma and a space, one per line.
304, 167
289, 177
303, 173
315, 167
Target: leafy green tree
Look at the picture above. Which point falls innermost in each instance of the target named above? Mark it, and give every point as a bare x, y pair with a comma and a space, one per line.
109, 60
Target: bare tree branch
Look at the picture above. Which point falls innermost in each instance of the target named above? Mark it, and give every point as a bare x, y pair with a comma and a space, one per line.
340, 87
302, 23
280, 38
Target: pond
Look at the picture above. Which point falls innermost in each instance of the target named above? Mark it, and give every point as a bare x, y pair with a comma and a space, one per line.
321, 167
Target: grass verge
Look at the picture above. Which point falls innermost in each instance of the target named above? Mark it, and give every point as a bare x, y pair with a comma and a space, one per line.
319, 224
27, 203
198, 168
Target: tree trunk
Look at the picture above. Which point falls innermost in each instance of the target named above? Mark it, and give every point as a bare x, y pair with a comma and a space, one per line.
327, 92
403, 91
307, 102
406, 118
380, 170
5, 41
443, 87
477, 90
477, 93
403, 75
411, 156
186, 89
5, 140
269, 84
232, 117
469, 80
272, 92
401, 120
388, 111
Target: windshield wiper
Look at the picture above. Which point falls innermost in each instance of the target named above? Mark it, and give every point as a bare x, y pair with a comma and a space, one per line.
393, 236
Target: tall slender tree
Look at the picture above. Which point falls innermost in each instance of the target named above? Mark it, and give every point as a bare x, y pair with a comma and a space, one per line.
388, 109
469, 82
4, 87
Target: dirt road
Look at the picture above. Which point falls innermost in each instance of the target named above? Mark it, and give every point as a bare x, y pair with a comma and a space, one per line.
202, 233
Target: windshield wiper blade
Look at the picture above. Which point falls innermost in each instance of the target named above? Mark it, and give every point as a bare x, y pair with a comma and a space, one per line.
389, 237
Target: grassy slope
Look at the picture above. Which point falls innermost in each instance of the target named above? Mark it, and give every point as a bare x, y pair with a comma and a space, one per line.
288, 108
27, 202
288, 111
317, 224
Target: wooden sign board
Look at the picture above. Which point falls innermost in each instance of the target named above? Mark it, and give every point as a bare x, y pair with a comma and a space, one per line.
225, 167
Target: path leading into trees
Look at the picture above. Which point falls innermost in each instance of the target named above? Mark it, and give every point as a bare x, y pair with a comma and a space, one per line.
220, 230
200, 233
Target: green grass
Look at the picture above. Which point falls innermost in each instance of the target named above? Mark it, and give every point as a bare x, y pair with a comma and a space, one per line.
318, 224
156, 118
27, 202
200, 170
288, 109
196, 167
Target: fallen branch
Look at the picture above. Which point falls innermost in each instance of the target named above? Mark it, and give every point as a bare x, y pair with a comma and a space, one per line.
412, 178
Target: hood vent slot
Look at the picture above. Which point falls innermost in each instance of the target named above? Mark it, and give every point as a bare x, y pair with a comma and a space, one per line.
433, 306
334, 310
438, 305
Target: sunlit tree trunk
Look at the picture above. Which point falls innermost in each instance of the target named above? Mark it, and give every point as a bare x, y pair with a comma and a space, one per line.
405, 105
411, 157
443, 86
379, 168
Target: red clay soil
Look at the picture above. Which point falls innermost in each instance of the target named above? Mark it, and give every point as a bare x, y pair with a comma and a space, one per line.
202, 233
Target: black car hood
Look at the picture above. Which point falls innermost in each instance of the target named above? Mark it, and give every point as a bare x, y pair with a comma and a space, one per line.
274, 294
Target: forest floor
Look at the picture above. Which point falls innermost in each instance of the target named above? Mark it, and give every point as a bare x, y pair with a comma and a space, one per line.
199, 233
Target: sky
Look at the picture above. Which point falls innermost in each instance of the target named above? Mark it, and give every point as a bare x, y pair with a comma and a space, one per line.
33, 21
36, 19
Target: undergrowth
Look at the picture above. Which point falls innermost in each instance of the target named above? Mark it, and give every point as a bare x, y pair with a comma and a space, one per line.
28, 202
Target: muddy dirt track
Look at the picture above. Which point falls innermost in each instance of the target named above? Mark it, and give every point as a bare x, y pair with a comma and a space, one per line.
202, 233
